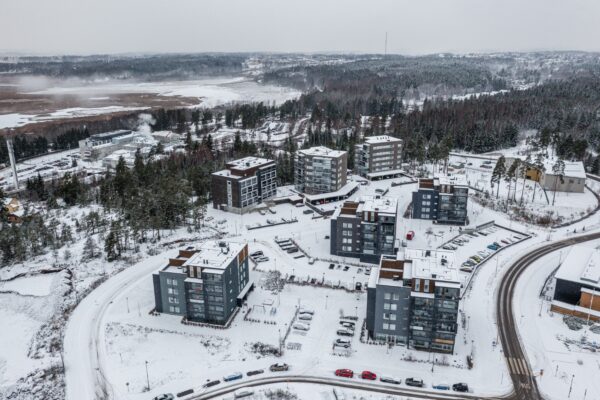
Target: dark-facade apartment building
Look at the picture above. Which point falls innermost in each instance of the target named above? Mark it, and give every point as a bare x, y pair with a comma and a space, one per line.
413, 299
244, 184
202, 284
365, 229
442, 200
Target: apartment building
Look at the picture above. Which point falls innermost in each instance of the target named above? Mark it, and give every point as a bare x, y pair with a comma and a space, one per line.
320, 170
244, 184
443, 200
577, 284
378, 157
413, 298
365, 229
203, 283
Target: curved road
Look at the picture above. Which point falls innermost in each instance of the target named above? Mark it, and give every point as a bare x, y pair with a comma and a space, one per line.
85, 379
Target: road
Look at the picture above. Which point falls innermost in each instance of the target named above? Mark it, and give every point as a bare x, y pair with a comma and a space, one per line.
524, 383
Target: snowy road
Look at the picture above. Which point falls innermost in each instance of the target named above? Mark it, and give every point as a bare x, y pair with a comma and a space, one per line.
83, 355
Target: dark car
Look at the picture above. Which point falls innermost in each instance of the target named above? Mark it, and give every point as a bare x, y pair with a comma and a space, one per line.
346, 373
331, 266
167, 396
211, 384
414, 382
460, 387
345, 332
358, 286
255, 372
279, 367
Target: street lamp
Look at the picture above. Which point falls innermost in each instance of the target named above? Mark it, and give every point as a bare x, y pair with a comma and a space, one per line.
326, 297
147, 376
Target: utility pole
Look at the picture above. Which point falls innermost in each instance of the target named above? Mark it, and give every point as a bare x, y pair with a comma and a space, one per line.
148, 377
385, 51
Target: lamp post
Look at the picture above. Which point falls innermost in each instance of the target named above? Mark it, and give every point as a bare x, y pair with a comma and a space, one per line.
326, 297
147, 376
571, 386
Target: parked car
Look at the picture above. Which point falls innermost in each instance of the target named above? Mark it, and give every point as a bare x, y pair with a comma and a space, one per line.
243, 392
346, 268
257, 254
262, 259
331, 266
492, 247
345, 343
292, 250
347, 324
466, 269
279, 367
441, 386
255, 372
233, 377
346, 373
166, 396
358, 286
389, 379
211, 383
460, 387
367, 271
410, 235
345, 332
368, 375
414, 382
309, 211
306, 311
305, 317
301, 327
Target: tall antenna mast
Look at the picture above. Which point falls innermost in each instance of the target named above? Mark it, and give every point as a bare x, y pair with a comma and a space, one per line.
385, 52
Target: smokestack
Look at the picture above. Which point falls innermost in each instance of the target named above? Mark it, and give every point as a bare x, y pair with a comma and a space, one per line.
13, 163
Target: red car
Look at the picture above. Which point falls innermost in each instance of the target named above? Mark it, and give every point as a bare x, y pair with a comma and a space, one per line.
410, 235
346, 373
368, 375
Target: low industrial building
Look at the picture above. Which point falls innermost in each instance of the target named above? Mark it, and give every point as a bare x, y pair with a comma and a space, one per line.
379, 157
320, 170
102, 144
365, 229
577, 284
573, 180
443, 200
203, 283
244, 184
413, 299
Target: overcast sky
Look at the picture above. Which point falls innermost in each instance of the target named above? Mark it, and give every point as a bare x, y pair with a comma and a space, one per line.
414, 27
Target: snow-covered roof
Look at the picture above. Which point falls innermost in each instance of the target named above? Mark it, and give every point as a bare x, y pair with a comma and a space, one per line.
457, 180
322, 151
215, 255
383, 205
381, 139
581, 265
248, 162
430, 264
573, 169
344, 191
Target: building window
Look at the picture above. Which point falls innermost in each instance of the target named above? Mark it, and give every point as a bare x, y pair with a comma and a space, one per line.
392, 327
393, 317
387, 296
386, 326
386, 306
396, 296
169, 281
393, 307
174, 282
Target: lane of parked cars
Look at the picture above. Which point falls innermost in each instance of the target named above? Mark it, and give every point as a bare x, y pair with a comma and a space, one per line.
471, 263
413, 382
277, 367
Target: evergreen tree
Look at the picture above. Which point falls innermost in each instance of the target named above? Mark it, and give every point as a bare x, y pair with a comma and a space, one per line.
90, 249
497, 174
558, 170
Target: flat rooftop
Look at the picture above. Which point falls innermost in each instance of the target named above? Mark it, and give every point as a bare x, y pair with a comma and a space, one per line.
435, 264
457, 180
386, 205
381, 139
215, 254
248, 162
573, 169
582, 266
322, 151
